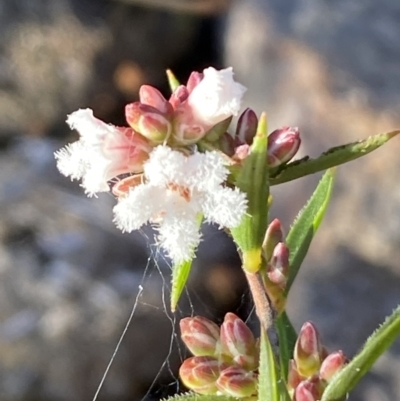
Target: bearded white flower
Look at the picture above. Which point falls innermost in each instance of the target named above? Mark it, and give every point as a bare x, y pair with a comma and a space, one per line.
216, 97
176, 190
102, 152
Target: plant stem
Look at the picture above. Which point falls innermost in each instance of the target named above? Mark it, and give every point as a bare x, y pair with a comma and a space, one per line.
261, 302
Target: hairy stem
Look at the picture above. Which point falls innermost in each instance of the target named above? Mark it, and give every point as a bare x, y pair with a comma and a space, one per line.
261, 302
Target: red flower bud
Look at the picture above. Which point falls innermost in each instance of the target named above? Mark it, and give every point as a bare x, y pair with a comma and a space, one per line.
273, 236
148, 121
308, 390
283, 144
332, 364
238, 342
278, 266
153, 97
307, 350
200, 335
246, 127
237, 382
200, 374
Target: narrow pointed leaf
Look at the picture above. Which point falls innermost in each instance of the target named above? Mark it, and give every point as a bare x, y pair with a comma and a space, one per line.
287, 339
253, 180
172, 80
307, 223
268, 389
180, 274
343, 382
331, 158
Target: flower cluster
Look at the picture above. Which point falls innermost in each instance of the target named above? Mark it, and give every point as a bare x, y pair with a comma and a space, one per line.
158, 168
312, 367
225, 359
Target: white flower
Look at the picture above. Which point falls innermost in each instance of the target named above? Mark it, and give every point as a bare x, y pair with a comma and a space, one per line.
102, 152
176, 191
216, 97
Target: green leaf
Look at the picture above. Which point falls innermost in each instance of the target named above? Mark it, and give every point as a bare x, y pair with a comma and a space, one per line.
306, 224
172, 80
268, 378
344, 381
331, 158
198, 397
287, 338
180, 274
253, 180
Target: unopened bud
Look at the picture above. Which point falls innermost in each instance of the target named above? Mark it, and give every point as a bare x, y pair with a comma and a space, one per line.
153, 97
226, 144
307, 350
283, 144
332, 364
237, 382
278, 266
194, 79
246, 127
238, 342
200, 374
200, 335
273, 236
308, 390
148, 121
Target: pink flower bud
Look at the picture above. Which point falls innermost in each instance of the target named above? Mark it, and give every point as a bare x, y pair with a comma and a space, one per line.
200, 374
307, 350
283, 144
238, 342
332, 364
278, 266
241, 152
308, 390
237, 382
273, 236
147, 120
194, 79
246, 127
179, 96
200, 335
153, 97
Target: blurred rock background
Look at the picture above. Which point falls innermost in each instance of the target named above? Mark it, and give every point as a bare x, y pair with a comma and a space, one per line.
68, 278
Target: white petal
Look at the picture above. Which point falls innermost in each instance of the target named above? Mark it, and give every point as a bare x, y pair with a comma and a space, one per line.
217, 96
179, 238
71, 160
225, 206
138, 207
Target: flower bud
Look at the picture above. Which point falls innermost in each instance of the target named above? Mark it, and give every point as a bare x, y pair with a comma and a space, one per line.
149, 121
273, 236
200, 335
237, 382
332, 364
307, 350
283, 144
278, 266
153, 97
238, 342
308, 390
246, 127
200, 374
